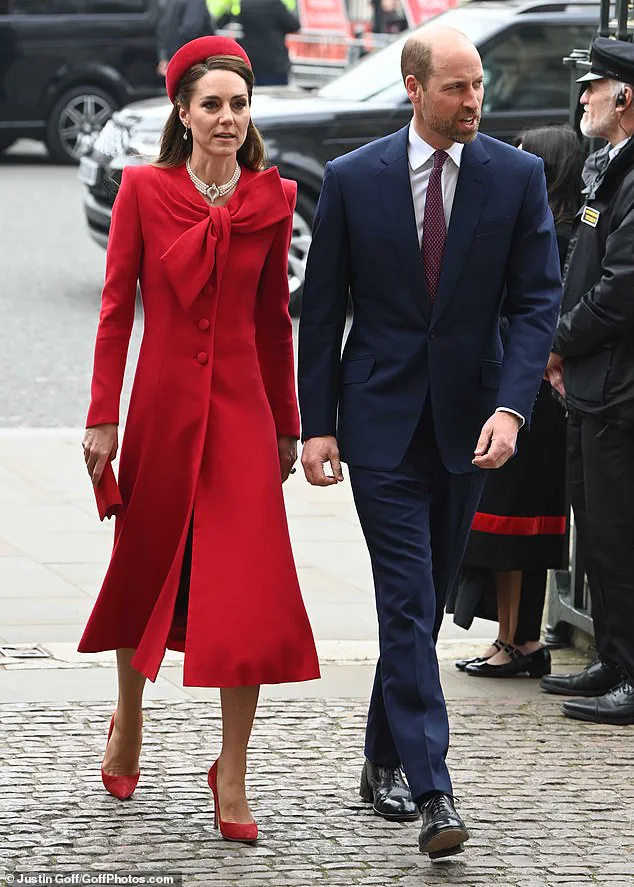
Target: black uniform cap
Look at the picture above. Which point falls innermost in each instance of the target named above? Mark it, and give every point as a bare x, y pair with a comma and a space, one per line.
611, 59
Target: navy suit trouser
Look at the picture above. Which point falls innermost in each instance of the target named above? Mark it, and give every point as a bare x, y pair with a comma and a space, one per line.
416, 520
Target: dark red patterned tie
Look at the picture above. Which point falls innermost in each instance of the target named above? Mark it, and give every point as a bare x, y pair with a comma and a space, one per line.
434, 226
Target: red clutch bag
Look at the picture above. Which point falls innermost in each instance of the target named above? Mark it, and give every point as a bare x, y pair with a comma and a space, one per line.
107, 493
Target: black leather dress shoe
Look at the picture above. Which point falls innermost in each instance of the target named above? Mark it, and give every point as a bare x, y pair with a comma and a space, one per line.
443, 832
532, 665
615, 707
386, 789
596, 679
461, 664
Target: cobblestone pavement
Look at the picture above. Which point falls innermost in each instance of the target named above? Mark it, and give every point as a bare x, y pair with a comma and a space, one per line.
549, 801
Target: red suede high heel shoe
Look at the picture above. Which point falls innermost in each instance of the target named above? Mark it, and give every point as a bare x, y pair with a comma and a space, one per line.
230, 831
120, 786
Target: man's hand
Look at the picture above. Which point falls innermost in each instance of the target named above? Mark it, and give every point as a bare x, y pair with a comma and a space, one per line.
287, 448
316, 453
100, 445
497, 440
161, 68
555, 373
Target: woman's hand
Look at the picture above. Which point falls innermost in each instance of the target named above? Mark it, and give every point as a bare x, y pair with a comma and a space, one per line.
287, 448
100, 445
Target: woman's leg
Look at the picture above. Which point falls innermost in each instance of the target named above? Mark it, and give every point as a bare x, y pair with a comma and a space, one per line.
124, 747
238, 711
508, 584
501, 590
532, 600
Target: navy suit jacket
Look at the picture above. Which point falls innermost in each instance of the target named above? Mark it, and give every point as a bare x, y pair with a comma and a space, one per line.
500, 248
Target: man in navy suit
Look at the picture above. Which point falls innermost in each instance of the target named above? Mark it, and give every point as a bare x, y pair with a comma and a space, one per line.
429, 230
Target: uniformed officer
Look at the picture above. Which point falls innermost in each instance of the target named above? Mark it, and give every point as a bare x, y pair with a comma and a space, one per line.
593, 364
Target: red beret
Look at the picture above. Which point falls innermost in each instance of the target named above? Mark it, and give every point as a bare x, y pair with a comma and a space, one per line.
197, 51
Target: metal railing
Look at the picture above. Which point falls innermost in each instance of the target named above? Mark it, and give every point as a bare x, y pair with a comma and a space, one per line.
569, 601
319, 56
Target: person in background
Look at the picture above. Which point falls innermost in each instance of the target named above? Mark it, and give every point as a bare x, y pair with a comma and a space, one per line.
265, 24
592, 365
179, 22
519, 531
393, 18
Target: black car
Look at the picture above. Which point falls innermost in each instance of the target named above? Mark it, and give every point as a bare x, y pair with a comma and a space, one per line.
66, 65
522, 46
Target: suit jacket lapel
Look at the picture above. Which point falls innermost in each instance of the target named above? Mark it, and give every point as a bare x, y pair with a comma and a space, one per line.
396, 195
469, 200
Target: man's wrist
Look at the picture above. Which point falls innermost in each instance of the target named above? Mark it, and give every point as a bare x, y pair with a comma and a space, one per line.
518, 416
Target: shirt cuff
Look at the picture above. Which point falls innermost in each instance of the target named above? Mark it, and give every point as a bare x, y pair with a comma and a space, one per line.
513, 413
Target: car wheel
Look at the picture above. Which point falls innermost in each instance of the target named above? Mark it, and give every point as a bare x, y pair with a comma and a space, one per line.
300, 244
78, 113
6, 141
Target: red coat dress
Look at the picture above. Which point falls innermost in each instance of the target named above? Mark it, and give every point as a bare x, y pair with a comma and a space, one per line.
213, 390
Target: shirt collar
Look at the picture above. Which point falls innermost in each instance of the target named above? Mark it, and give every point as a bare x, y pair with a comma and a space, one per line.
615, 150
419, 152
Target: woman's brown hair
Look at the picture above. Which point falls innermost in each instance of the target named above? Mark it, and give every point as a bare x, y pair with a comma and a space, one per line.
560, 149
174, 149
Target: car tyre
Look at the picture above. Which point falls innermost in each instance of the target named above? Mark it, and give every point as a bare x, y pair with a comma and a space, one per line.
298, 253
79, 112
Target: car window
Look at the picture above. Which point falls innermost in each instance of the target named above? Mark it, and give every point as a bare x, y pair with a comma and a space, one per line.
524, 70
382, 69
75, 7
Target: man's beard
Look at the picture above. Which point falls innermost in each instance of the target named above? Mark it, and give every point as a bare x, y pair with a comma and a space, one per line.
449, 128
593, 128
586, 127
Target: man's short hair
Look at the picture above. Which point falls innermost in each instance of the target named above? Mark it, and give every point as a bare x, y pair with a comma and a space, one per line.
416, 59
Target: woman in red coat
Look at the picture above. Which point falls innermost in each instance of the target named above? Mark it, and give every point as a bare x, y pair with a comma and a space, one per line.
202, 561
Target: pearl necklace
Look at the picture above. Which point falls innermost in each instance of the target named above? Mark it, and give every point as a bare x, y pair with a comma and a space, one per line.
213, 192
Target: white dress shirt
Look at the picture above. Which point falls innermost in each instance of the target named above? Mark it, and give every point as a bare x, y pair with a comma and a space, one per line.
421, 162
614, 150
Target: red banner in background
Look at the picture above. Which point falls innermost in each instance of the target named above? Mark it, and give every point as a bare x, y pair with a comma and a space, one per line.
418, 11
324, 15
325, 33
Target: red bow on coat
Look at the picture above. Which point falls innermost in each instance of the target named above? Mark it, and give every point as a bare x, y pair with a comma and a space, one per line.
202, 249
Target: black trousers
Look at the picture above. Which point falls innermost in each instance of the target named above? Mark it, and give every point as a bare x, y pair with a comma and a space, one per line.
601, 477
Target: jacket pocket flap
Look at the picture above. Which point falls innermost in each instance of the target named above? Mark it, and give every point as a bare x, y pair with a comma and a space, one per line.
357, 369
490, 371
491, 226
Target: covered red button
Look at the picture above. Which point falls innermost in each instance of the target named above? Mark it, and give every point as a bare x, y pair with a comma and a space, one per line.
202, 357
203, 324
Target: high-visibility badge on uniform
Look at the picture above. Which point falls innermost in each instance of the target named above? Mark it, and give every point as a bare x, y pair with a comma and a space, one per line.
590, 216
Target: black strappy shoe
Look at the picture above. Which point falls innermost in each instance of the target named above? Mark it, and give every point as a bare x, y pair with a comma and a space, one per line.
461, 664
532, 665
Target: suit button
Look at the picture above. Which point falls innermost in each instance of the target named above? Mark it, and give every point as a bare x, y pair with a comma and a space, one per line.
432, 334
202, 357
203, 324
